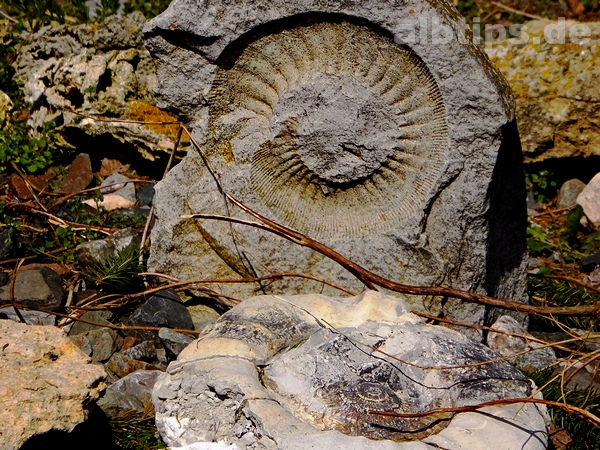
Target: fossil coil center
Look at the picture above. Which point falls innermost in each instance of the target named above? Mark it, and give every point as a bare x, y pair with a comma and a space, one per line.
343, 132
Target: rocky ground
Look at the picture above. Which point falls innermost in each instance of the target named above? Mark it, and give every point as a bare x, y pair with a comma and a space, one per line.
76, 210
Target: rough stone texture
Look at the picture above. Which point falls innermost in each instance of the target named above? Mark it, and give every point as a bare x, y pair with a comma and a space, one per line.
46, 383
79, 175
95, 70
133, 391
39, 288
301, 372
556, 89
164, 309
118, 184
404, 159
93, 252
99, 317
528, 355
99, 344
567, 195
144, 351
589, 199
173, 342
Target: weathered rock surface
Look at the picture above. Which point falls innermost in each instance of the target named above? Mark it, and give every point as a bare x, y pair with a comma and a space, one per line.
95, 70
99, 250
568, 193
99, 344
164, 309
556, 87
39, 288
46, 383
513, 340
133, 391
403, 158
589, 199
301, 372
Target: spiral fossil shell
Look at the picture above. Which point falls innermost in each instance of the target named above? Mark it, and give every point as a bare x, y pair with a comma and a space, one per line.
344, 130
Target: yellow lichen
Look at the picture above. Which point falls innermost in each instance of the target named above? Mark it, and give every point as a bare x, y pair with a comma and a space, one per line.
141, 110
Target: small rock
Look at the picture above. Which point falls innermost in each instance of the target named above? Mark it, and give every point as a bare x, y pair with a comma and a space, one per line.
129, 342
6, 243
164, 309
567, 195
38, 288
93, 252
133, 391
589, 199
174, 342
536, 356
79, 175
146, 195
3, 278
46, 383
113, 403
121, 365
532, 206
122, 188
145, 351
590, 263
99, 317
102, 343
31, 317
593, 279
202, 316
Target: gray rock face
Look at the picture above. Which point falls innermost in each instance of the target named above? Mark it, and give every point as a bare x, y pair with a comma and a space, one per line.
512, 340
164, 309
403, 158
46, 383
304, 371
39, 288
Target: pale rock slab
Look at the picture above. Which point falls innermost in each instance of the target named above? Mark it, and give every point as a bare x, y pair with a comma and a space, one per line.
403, 158
297, 372
46, 383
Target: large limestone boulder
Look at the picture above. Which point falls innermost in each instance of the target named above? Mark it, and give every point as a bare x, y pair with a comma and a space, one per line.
306, 371
47, 383
334, 119
553, 68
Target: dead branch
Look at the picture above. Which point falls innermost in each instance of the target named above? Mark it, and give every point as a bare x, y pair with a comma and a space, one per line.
371, 279
595, 420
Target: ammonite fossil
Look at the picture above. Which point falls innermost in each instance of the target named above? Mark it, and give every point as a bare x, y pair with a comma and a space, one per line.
345, 130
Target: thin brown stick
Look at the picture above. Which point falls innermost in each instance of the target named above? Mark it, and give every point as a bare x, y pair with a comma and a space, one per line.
595, 420
371, 279
12, 292
516, 11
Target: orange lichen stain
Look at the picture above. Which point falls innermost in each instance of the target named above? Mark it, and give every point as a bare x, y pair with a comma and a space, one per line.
412, 11
144, 111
